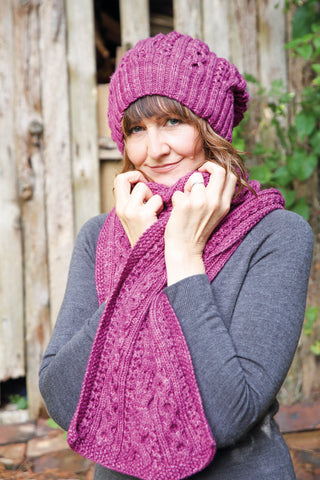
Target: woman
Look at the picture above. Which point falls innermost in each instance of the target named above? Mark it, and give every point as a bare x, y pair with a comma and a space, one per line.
184, 305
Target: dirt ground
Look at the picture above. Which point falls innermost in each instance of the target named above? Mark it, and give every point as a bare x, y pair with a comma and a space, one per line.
34, 451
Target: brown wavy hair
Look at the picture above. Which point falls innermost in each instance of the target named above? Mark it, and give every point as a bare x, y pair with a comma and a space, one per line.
216, 148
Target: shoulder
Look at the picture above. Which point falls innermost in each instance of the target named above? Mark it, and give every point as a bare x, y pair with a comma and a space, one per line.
284, 232
89, 232
93, 225
287, 225
286, 221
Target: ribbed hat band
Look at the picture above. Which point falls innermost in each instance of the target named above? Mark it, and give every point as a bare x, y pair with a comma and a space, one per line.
184, 69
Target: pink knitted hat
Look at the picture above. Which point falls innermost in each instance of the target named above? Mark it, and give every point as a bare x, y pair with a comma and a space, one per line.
182, 68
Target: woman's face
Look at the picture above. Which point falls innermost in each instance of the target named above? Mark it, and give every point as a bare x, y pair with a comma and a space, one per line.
164, 149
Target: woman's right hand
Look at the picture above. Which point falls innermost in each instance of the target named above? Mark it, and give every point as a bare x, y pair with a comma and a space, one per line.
135, 204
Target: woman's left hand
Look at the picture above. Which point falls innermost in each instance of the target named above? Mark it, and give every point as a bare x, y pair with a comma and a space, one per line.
196, 212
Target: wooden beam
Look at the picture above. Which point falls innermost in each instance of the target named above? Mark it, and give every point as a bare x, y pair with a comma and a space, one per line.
272, 35
187, 17
134, 21
243, 36
83, 108
216, 26
57, 148
28, 127
299, 417
12, 363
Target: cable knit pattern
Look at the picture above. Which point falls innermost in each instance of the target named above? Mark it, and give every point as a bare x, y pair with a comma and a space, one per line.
184, 69
140, 410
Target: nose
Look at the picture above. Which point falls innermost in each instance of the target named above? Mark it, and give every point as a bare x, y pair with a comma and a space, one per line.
156, 143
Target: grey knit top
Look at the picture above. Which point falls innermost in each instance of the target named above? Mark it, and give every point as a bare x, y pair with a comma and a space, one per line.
242, 331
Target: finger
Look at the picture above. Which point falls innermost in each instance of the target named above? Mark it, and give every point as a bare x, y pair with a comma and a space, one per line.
123, 185
155, 204
140, 194
124, 181
217, 181
195, 181
177, 198
208, 167
230, 187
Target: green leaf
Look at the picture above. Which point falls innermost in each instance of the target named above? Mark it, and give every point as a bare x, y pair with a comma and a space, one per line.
301, 208
20, 401
316, 81
316, 67
315, 142
282, 176
302, 21
239, 144
289, 196
52, 424
305, 51
310, 318
250, 78
315, 348
302, 165
261, 173
315, 27
305, 124
293, 43
316, 41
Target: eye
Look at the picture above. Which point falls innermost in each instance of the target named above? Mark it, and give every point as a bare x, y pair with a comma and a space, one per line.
172, 122
135, 129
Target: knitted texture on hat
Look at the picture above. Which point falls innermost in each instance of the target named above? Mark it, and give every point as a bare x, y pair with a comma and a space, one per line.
182, 68
140, 410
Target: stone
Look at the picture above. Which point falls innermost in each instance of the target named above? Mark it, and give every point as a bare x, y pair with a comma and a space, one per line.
12, 455
16, 433
65, 460
8, 417
55, 441
42, 427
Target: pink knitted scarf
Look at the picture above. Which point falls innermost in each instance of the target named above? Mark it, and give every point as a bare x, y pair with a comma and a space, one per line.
140, 410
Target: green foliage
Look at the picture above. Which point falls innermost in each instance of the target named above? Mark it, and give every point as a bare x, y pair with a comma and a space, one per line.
21, 402
308, 328
315, 348
52, 424
296, 155
311, 318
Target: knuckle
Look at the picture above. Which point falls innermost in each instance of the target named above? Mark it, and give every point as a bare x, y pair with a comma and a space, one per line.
200, 203
130, 212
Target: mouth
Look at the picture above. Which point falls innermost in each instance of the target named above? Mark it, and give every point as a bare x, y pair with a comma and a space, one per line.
167, 167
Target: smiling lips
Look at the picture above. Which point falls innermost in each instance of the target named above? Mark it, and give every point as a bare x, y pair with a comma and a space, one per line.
164, 168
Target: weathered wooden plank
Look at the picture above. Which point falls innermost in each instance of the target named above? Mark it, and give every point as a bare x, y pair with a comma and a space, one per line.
11, 272
243, 36
57, 148
110, 157
187, 17
135, 21
108, 171
299, 417
83, 100
216, 26
304, 448
32, 189
271, 38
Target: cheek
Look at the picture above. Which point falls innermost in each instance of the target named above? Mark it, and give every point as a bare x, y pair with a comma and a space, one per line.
189, 143
135, 152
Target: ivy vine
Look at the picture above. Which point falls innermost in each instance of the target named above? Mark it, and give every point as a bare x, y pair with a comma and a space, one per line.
296, 154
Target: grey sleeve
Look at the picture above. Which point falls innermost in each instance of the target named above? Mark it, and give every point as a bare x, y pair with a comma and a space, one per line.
64, 362
243, 329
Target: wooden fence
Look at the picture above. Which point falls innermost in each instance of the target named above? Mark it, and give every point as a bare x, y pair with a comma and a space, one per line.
51, 168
